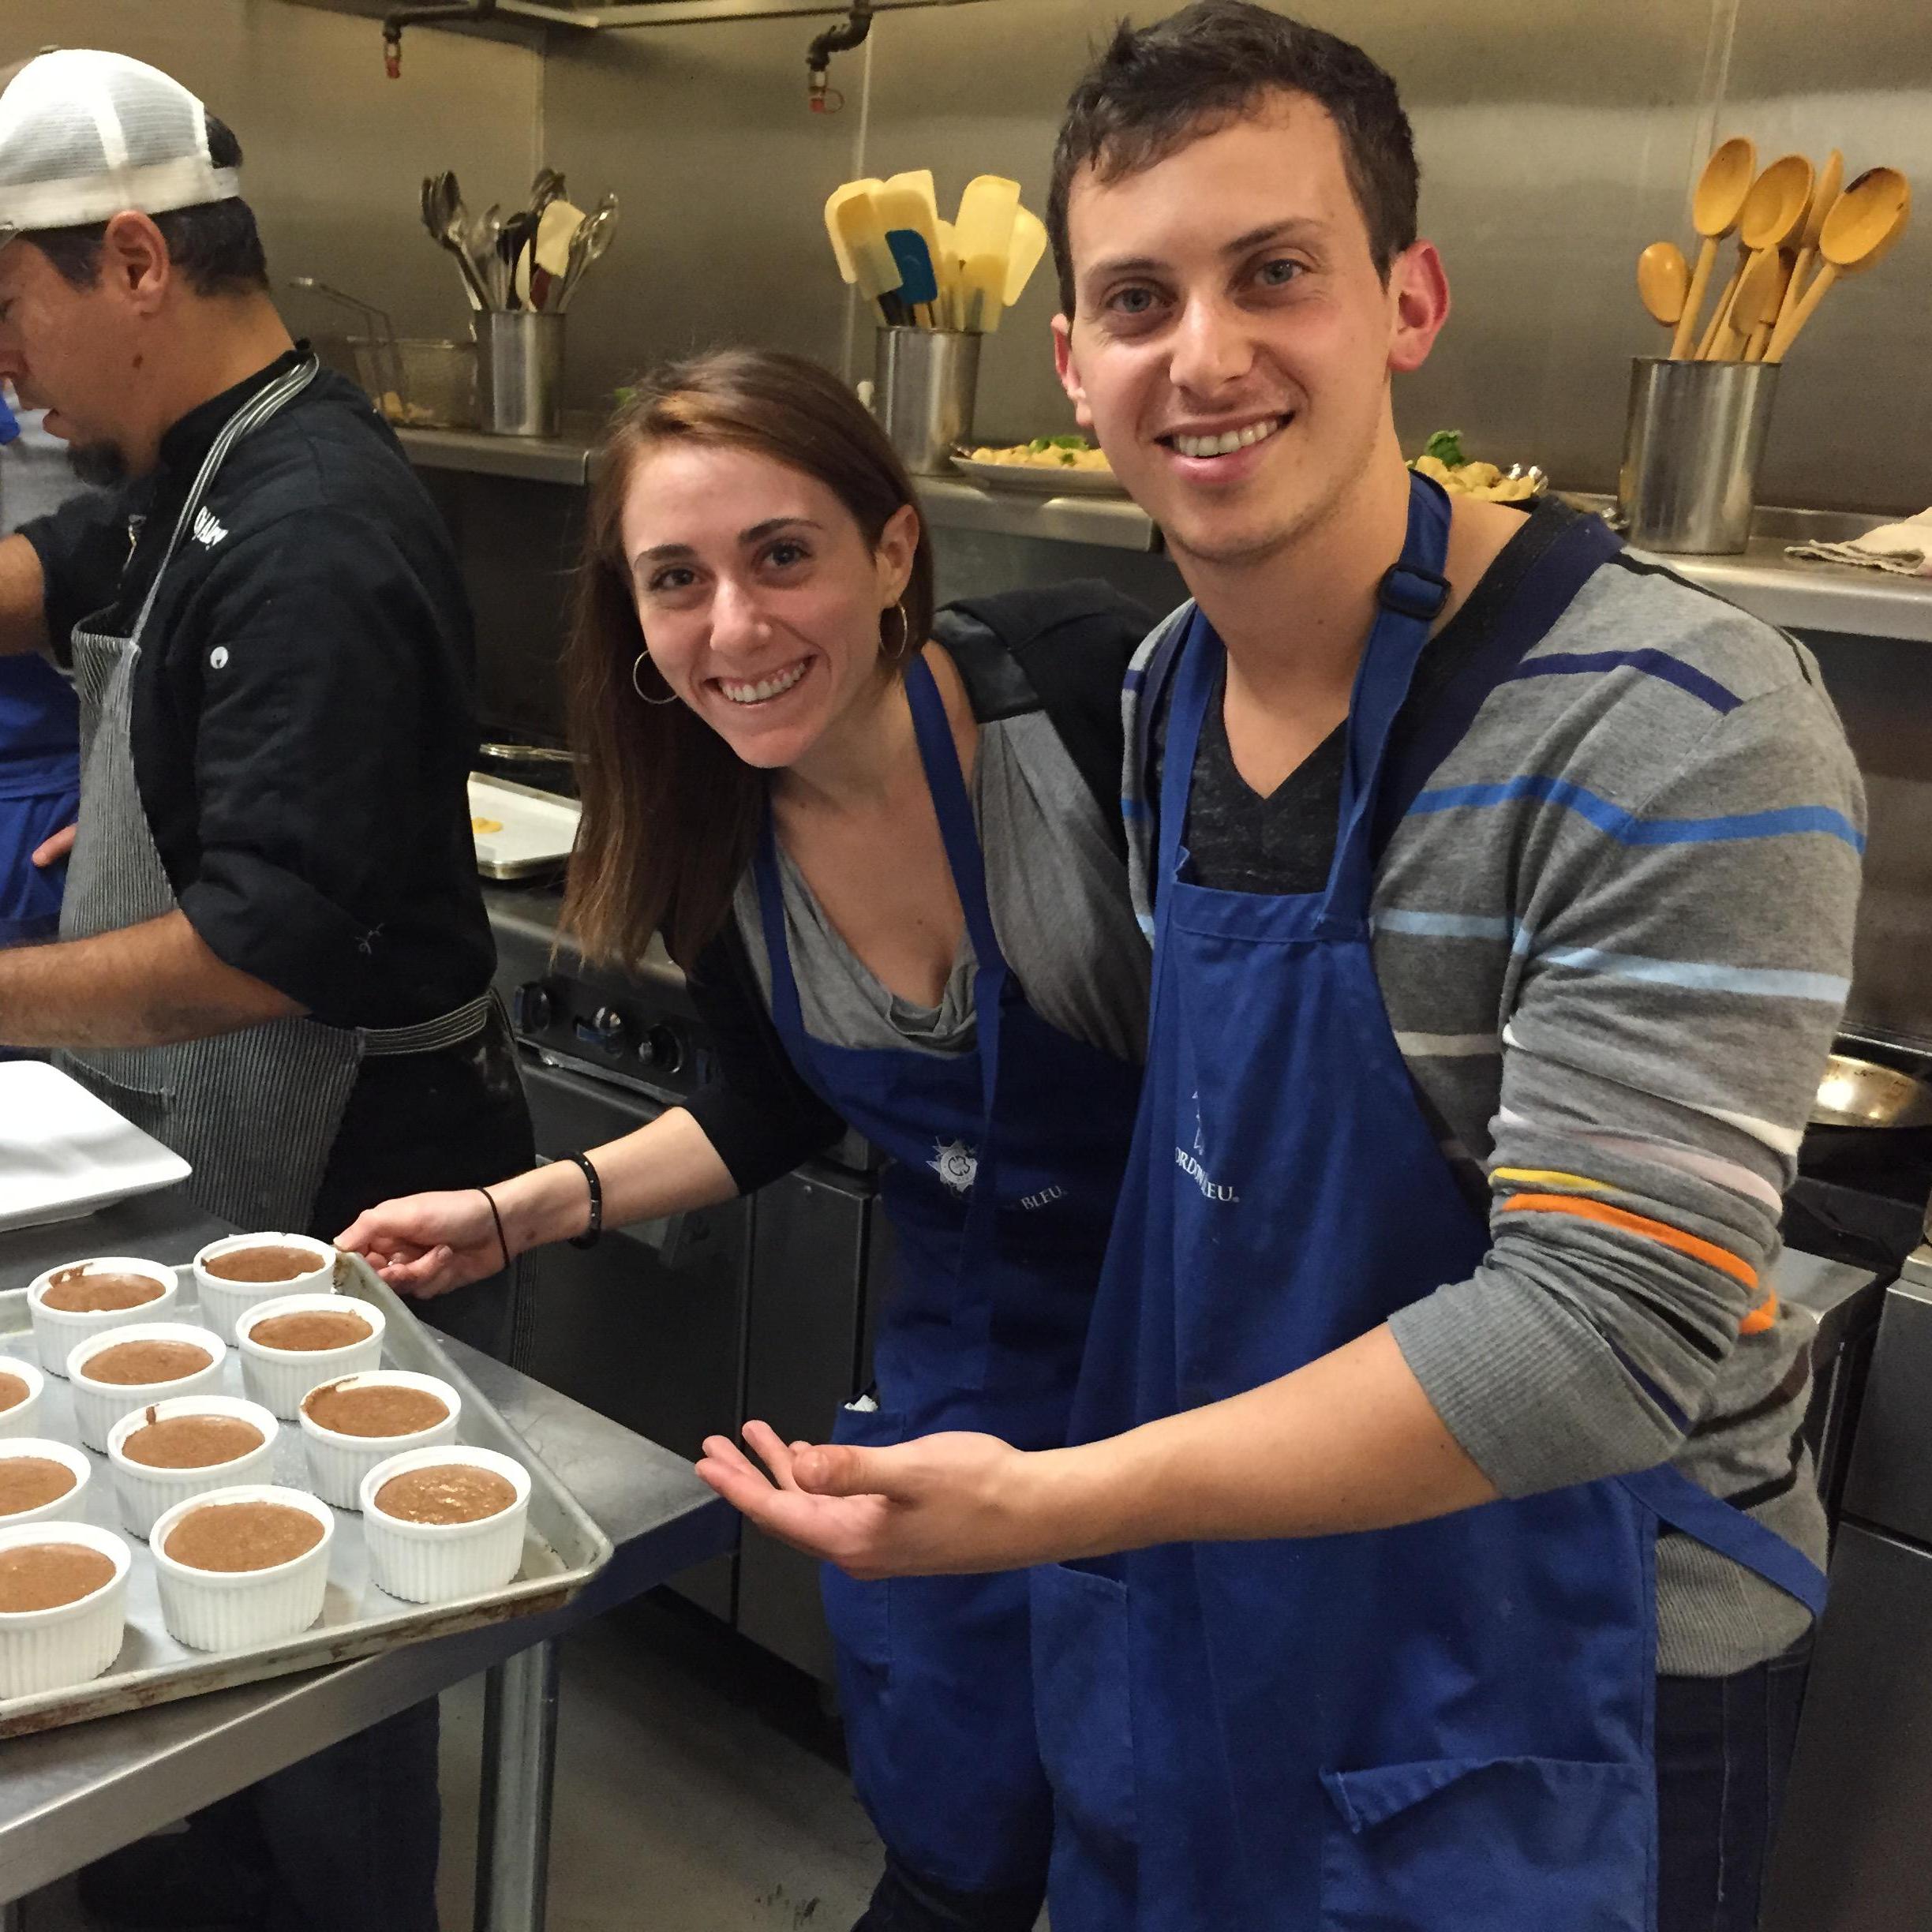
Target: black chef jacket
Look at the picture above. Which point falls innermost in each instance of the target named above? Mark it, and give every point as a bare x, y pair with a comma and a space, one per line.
303, 725
304, 710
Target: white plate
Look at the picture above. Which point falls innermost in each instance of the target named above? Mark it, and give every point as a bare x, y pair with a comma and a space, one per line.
539, 830
63, 1153
1032, 481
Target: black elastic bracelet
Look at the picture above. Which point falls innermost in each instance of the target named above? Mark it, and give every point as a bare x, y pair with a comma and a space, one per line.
502, 1239
590, 1237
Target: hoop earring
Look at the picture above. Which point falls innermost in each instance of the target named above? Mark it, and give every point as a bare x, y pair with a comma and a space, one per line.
905, 634
641, 659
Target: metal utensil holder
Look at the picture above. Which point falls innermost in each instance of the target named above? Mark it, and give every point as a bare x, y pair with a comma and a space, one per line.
925, 383
1692, 440
520, 371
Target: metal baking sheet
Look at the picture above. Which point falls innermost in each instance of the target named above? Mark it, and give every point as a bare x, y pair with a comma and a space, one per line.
537, 828
563, 1549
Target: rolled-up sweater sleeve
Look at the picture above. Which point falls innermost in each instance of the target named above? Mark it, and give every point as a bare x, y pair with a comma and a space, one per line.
315, 685
1674, 993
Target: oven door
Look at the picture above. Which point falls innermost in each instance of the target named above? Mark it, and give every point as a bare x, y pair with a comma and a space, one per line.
647, 1328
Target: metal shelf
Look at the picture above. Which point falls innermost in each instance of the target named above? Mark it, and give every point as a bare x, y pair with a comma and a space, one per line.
531, 459
1115, 522
1797, 595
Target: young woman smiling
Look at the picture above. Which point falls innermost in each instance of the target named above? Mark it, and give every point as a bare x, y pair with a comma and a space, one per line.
894, 867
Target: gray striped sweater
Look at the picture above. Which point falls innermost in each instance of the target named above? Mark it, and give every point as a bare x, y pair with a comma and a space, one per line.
1613, 934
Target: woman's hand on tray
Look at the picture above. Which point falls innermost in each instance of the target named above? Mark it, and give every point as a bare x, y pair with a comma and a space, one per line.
425, 1244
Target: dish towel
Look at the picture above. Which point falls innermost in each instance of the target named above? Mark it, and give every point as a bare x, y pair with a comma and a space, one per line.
1905, 549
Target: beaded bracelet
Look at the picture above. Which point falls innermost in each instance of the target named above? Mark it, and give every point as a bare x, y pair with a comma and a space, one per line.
590, 1237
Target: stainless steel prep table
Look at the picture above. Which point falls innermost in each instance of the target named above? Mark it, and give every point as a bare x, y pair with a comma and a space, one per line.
69, 1795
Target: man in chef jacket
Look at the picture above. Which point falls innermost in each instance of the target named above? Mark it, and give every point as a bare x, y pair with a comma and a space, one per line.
273, 953
1439, 1547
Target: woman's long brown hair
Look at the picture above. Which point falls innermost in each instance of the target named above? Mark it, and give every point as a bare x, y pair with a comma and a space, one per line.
671, 814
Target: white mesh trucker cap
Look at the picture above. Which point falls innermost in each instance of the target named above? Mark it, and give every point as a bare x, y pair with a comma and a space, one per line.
84, 134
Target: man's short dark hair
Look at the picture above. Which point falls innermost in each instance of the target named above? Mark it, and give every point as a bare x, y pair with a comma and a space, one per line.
1157, 88
216, 246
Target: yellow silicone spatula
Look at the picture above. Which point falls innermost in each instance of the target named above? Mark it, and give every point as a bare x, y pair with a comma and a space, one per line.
910, 217
856, 223
952, 296
909, 200
987, 213
554, 226
1029, 244
839, 196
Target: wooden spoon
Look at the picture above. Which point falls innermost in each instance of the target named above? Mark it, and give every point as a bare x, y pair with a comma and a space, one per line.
1864, 224
1760, 335
1715, 210
1663, 280
1773, 218
1756, 300
1823, 196
1707, 342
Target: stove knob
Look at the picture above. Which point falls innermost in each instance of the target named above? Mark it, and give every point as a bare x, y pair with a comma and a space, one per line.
531, 1007
605, 1028
662, 1049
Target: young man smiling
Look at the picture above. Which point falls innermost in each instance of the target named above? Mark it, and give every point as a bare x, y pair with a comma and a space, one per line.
1438, 1553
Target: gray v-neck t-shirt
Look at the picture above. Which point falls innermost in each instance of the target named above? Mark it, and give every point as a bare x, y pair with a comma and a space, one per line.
1057, 891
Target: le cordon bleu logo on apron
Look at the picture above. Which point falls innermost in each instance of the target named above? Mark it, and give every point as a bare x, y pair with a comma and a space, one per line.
1189, 1165
955, 1164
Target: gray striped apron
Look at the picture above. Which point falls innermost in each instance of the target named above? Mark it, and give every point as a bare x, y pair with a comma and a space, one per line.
256, 1112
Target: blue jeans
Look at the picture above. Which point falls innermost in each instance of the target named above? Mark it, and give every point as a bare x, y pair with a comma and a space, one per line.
1723, 1748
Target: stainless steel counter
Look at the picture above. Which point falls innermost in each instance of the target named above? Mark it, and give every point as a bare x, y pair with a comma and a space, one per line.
69, 1795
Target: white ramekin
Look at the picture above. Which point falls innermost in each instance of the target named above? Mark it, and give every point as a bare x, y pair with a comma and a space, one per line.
44, 1650
19, 1420
280, 1378
67, 1505
56, 1331
224, 1302
99, 1405
229, 1610
145, 1493
337, 1463
433, 1563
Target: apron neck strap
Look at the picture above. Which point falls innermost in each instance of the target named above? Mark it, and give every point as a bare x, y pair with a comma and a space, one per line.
946, 783
1409, 600
251, 415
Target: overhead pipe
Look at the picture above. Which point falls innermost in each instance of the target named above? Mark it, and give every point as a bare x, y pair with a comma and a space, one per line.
434, 13
595, 18
821, 97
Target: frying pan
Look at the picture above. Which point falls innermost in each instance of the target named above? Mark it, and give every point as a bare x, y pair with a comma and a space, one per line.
1861, 1093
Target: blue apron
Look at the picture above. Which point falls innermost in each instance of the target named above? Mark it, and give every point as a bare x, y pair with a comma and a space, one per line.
1005, 1164
39, 771
1443, 1727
